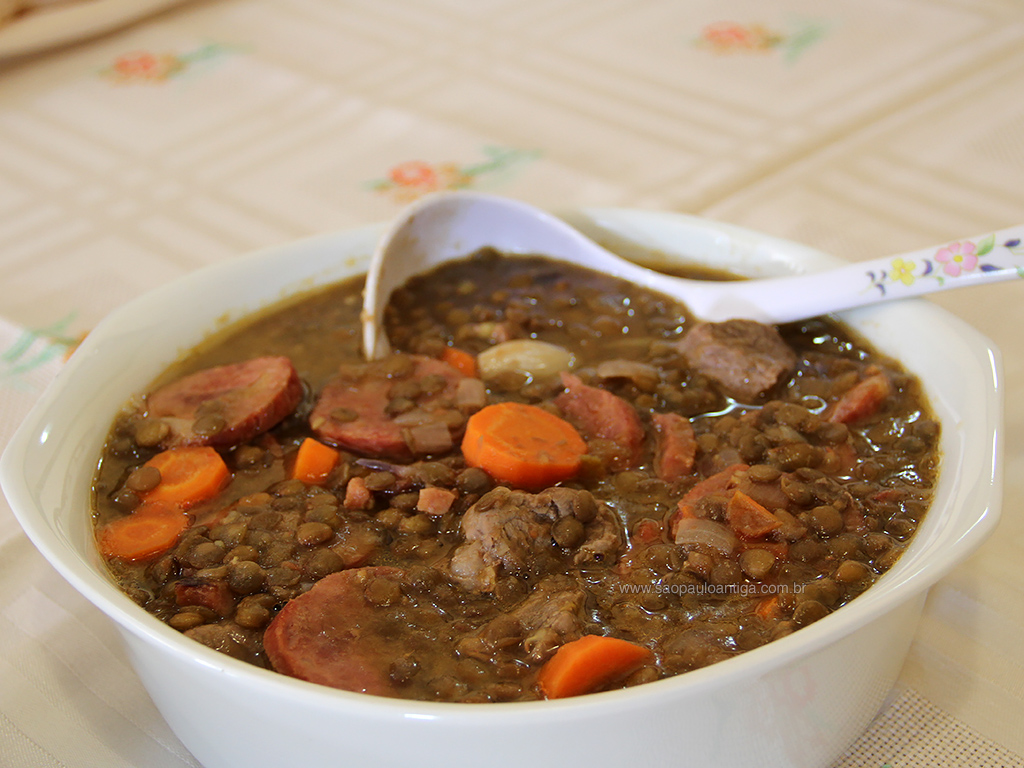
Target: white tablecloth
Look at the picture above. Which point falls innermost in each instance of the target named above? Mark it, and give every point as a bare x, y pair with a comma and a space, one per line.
861, 127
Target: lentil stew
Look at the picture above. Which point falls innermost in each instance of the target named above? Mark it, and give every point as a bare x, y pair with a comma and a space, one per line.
558, 484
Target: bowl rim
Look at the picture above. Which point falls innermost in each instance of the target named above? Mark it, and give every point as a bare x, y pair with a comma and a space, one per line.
899, 585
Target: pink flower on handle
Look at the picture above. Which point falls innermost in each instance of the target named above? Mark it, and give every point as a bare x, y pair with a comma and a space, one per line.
958, 258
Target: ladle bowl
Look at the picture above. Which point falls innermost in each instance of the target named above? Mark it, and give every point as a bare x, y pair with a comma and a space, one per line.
452, 225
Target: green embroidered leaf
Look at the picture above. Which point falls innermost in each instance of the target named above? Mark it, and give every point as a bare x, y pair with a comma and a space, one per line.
985, 245
55, 333
803, 39
25, 340
38, 360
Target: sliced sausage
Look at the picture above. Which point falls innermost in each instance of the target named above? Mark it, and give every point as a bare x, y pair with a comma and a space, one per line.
228, 404
378, 409
863, 400
331, 635
677, 446
744, 357
208, 593
601, 414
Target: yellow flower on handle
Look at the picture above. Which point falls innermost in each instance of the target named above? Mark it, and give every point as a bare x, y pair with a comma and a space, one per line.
902, 271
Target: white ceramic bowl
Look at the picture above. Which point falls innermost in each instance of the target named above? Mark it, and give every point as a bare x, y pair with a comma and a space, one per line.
796, 702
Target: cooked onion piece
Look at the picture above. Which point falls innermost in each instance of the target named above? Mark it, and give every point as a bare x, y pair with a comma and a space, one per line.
644, 375
706, 533
532, 358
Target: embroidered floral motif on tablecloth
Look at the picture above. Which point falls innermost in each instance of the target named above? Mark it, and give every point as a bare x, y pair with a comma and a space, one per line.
412, 179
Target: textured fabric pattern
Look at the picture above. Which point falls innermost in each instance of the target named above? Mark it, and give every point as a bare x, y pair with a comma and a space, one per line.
914, 732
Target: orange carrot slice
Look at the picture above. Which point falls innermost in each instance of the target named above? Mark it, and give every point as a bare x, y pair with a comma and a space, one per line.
460, 360
152, 529
589, 664
523, 445
768, 608
721, 482
188, 476
314, 461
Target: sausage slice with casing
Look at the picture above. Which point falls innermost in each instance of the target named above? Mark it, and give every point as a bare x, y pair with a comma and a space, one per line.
228, 404
395, 408
331, 635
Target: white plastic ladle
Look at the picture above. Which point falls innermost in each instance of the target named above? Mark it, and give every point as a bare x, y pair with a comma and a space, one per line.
452, 225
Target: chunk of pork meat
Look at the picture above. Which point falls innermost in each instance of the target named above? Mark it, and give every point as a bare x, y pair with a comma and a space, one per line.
744, 357
551, 616
516, 532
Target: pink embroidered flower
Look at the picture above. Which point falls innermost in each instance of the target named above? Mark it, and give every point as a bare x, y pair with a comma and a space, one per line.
148, 68
414, 173
728, 36
958, 258
411, 179
414, 178
136, 64
142, 65
732, 37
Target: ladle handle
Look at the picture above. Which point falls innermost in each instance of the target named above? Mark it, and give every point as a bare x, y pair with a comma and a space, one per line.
985, 259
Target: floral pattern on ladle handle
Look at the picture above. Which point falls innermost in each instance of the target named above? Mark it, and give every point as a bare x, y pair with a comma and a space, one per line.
995, 256
989, 258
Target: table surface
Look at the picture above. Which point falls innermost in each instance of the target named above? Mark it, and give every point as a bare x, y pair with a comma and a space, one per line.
209, 129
